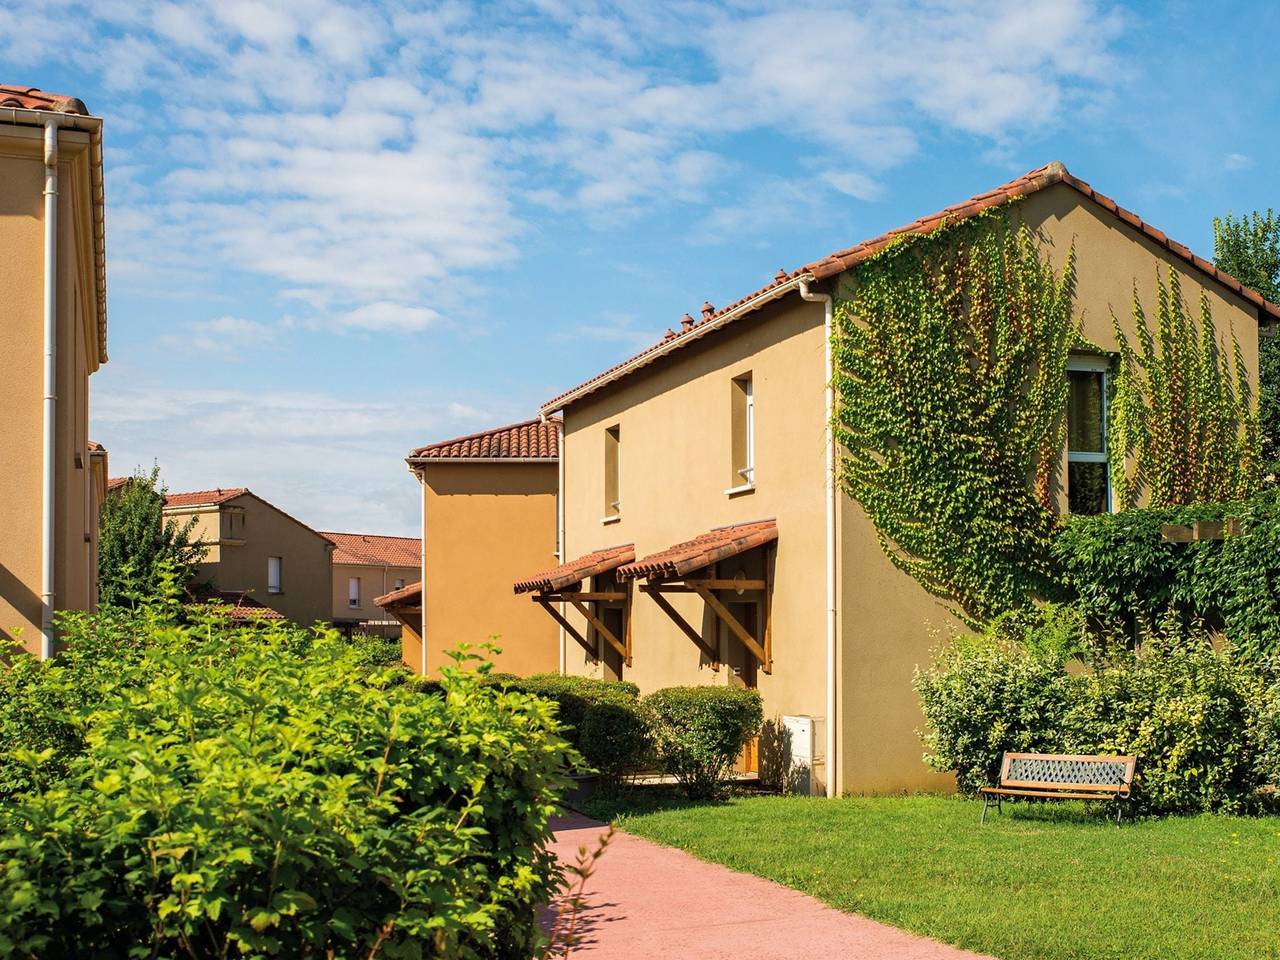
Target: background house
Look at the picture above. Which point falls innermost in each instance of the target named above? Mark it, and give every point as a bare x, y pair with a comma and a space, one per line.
52, 338
256, 549
367, 566
488, 513
697, 519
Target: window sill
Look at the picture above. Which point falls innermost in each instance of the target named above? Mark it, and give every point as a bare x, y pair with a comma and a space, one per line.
617, 517
740, 490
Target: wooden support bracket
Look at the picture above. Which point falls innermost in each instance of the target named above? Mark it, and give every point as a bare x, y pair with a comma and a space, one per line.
569, 628
734, 626
656, 590
601, 629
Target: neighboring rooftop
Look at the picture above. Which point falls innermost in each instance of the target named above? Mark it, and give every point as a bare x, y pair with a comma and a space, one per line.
203, 498
32, 98
374, 549
785, 282
529, 440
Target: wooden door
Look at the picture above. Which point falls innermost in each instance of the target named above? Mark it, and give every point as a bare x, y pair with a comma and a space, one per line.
744, 670
610, 658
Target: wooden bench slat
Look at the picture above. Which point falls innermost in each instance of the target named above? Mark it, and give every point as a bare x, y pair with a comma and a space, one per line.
1065, 777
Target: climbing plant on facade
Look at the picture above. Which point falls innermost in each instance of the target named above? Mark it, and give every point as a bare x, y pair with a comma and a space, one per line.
951, 357
1182, 426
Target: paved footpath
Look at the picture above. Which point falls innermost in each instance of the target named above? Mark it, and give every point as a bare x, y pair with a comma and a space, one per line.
647, 902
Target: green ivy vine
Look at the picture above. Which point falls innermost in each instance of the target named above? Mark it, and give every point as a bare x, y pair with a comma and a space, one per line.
951, 355
1182, 426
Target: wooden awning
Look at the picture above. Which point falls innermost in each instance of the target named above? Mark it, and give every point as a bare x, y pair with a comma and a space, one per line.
575, 571
683, 568
406, 596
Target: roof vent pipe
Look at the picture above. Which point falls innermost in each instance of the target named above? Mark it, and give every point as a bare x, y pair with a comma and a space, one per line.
47, 527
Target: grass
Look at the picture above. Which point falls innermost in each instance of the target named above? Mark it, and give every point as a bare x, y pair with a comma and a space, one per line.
1041, 882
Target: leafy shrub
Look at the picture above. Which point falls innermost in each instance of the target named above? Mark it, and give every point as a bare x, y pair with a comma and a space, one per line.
1126, 577
1199, 719
700, 731
375, 652
256, 791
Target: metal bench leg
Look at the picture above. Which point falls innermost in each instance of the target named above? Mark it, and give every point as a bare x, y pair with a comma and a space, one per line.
986, 800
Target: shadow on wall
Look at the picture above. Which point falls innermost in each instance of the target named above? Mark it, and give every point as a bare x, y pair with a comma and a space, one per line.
778, 770
17, 595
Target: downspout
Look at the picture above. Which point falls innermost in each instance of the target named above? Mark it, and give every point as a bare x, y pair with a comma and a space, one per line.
47, 585
560, 548
830, 493
422, 572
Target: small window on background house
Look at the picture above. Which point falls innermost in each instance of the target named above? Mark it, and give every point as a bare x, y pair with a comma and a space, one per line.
399, 583
612, 471
353, 591
743, 426
1088, 473
274, 581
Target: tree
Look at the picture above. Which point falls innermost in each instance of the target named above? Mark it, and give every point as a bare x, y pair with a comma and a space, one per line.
1248, 248
136, 543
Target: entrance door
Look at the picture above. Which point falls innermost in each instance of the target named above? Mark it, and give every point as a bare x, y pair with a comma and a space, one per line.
743, 669
610, 658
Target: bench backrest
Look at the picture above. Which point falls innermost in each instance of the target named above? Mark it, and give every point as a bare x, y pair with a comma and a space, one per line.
1056, 771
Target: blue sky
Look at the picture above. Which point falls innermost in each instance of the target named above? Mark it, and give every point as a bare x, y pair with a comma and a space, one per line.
338, 231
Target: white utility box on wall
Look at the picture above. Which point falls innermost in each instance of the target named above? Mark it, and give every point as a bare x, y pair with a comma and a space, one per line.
807, 738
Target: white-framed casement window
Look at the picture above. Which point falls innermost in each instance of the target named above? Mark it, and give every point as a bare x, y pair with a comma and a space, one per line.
1088, 472
399, 583
353, 592
612, 473
742, 413
275, 575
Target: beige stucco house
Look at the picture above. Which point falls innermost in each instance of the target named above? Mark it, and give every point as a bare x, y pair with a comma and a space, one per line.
488, 514
255, 549
52, 338
705, 541
367, 566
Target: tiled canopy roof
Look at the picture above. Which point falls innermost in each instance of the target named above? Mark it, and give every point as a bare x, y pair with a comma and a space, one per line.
115, 483
785, 282
575, 571
702, 551
408, 595
203, 498
371, 548
29, 98
529, 440
235, 605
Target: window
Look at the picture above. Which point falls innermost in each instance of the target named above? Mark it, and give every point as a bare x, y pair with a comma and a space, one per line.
743, 427
353, 591
399, 583
1088, 473
612, 469
274, 580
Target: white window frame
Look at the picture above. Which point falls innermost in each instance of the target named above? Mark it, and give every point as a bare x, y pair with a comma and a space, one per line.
275, 565
748, 473
1100, 365
353, 592
399, 583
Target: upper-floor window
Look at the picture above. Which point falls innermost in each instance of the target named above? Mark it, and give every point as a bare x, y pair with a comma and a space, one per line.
612, 472
1088, 473
742, 412
399, 583
353, 591
275, 583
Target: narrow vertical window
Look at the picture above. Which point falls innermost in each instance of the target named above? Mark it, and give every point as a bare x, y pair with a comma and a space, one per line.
1088, 473
353, 591
399, 583
743, 427
612, 472
274, 582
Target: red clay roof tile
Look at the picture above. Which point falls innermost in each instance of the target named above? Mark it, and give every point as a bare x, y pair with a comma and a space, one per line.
31, 98
575, 571
203, 498
842, 260
374, 549
701, 551
528, 440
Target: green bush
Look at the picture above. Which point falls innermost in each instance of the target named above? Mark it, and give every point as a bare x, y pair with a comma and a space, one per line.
1200, 720
258, 792
700, 731
376, 652
1125, 576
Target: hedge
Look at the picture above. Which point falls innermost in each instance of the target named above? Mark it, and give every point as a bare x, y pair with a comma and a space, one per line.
700, 731
257, 791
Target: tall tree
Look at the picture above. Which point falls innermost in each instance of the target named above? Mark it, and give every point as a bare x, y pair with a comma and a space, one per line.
1248, 248
136, 543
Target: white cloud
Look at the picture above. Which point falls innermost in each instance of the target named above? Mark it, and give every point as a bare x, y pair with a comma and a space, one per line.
1237, 161
387, 316
853, 184
227, 334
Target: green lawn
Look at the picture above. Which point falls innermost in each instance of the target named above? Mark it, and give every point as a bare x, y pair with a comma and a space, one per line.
1038, 883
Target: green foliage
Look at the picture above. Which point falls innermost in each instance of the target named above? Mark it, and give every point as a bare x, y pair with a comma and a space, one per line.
374, 651
1248, 248
1199, 719
1181, 410
257, 791
700, 731
1126, 577
136, 544
951, 354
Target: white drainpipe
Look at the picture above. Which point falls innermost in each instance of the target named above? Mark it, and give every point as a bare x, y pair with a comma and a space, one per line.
47, 585
561, 552
830, 491
422, 571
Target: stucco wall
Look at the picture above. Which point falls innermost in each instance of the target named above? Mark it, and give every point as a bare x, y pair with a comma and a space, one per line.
375, 580
486, 525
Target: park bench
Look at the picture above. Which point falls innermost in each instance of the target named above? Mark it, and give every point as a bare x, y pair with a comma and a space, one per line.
1055, 776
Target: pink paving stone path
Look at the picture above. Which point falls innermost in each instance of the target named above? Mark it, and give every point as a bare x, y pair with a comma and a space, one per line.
647, 902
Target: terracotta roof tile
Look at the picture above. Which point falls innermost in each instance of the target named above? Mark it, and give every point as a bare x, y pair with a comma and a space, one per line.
701, 551
31, 98
575, 571
372, 548
203, 498
405, 595
842, 260
235, 605
528, 440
